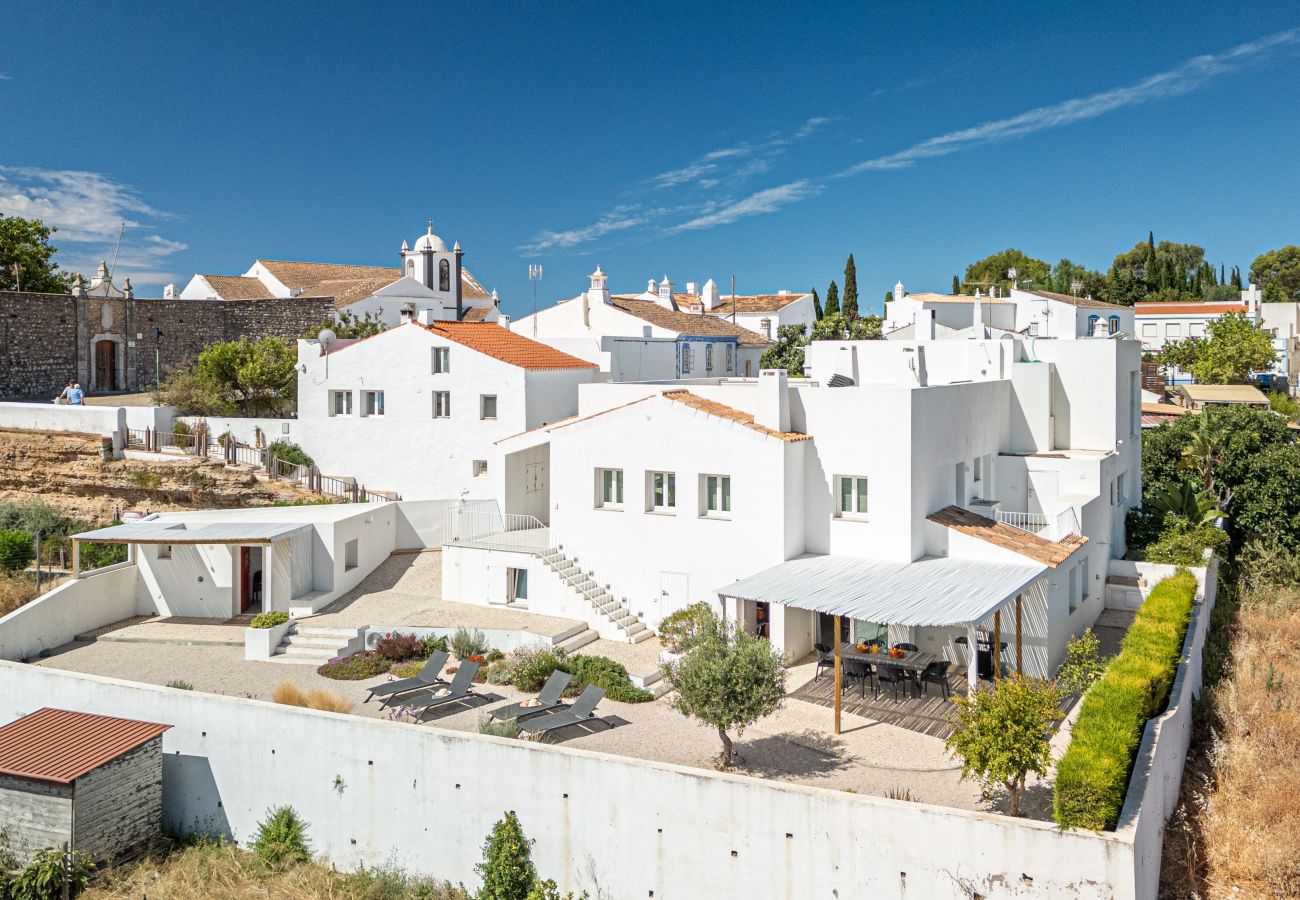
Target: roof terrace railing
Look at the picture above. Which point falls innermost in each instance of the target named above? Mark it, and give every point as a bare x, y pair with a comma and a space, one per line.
492, 530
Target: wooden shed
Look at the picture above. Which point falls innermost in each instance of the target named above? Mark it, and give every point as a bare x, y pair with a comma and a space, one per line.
93, 782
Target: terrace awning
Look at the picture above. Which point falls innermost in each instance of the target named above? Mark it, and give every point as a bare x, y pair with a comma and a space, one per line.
163, 532
939, 591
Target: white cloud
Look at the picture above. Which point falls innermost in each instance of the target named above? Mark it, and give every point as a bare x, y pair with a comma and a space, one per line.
89, 211
4, 77
1181, 79
765, 201
683, 175
810, 126
618, 219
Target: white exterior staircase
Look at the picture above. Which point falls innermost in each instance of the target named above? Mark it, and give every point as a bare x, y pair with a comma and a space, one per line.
312, 646
611, 616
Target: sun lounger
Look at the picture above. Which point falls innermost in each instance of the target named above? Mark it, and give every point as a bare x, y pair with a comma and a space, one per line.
547, 700
430, 676
581, 710
461, 686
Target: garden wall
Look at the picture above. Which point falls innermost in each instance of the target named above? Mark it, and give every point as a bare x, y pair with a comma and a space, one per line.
94, 600
245, 429
106, 421
376, 791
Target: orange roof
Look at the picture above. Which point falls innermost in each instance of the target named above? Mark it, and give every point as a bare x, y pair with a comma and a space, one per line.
1189, 308
1051, 553
753, 303
491, 339
476, 313
1084, 302
1165, 409
238, 287
59, 746
686, 323
722, 411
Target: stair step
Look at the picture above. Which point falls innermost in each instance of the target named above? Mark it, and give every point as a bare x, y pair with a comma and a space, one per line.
344, 634
659, 688
309, 652
640, 636
324, 643
579, 640
568, 633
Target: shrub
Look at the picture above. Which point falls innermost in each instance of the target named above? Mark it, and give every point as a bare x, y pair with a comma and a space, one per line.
398, 647
495, 655
16, 550
431, 644
269, 619
282, 838
468, 643
506, 728
180, 685
42, 878
603, 673
97, 556
408, 669
1082, 665
328, 702
290, 453
1182, 544
15, 591
289, 694
500, 672
680, 628
507, 868
1092, 777
357, 667
533, 667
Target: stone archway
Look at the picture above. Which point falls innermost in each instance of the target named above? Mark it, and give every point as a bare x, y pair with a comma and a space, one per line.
107, 363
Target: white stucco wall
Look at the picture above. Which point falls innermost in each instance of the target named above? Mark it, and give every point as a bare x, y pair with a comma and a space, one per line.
94, 600
102, 420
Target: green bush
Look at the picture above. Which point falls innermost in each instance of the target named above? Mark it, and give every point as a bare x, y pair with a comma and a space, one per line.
499, 672
1182, 544
506, 728
180, 685
290, 453
507, 868
531, 670
495, 655
430, 644
97, 556
16, 550
1092, 778
533, 667
357, 667
468, 643
42, 877
680, 628
269, 619
282, 838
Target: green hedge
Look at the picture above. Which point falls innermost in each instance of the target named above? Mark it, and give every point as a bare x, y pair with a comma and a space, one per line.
1092, 778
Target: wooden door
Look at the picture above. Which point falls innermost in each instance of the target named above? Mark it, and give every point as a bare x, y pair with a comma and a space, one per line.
245, 578
105, 365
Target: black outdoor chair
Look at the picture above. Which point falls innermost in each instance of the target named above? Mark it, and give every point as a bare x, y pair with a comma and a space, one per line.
859, 671
910, 648
936, 673
891, 676
825, 659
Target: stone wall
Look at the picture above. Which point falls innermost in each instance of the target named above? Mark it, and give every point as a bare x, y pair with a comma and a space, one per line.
45, 339
118, 806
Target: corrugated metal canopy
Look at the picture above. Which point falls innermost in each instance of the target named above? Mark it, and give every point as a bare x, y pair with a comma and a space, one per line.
60, 746
929, 591
163, 532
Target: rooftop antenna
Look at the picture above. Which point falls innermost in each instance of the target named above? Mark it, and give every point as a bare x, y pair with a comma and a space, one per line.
327, 337
113, 268
733, 299
535, 276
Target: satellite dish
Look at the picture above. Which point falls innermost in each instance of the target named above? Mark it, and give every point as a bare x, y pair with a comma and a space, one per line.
327, 337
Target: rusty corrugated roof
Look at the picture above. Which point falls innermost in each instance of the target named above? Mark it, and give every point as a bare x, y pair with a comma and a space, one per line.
59, 746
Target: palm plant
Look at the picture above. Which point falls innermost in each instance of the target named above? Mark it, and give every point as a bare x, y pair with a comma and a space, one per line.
1189, 502
1205, 452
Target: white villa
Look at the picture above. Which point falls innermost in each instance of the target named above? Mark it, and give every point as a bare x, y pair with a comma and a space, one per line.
761, 313
430, 277
960, 483
657, 335
416, 408
1034, 313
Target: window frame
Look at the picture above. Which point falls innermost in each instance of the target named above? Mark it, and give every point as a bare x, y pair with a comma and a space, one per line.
442, 410
482, 407
615, 485
444, 275
857, 485
366, 398
441, 361
668, 489
719, 494
478, 468
335, 397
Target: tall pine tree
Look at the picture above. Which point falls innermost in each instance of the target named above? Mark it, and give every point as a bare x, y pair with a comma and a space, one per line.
956, 285
832, 304
850, 305
817, 306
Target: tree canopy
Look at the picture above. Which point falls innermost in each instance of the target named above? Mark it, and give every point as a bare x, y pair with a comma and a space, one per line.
787, 352
25, 244
849, 306
1277, 273
243, 377
832, 304
991, 271
1231, 350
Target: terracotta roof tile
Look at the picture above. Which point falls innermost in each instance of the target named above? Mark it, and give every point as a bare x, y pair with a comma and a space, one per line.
1050, 553
476, 314
60, 746
722, 411
1084, 302
347, 291
925, 297
238, 287
754, 303
305, 276
1189, 308
687, 323
500, 343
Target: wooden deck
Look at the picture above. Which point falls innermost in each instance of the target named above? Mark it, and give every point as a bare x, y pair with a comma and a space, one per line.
927, 714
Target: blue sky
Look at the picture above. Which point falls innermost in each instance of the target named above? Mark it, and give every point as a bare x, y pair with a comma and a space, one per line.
762, 140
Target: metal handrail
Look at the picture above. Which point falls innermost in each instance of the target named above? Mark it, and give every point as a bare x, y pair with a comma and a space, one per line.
493, 530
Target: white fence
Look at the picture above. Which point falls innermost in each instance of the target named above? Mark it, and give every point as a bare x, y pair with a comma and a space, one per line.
488, 529
1053, 527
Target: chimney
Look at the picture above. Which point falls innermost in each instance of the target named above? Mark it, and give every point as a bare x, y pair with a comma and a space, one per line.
899, 293
977, 318
666, 293
504, 321
426, 317
1251, 297
709, 295
690, 288
169, 292
772, 407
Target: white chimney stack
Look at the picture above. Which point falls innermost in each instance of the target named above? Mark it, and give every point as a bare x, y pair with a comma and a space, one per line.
427, 317
1251, 297
666, 293
710, 294
977, 318
899, 292
652, 287
690, 288
772, 409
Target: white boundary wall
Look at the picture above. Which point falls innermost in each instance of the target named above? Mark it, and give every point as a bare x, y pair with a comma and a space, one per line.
375, 791
245, 430
94, 600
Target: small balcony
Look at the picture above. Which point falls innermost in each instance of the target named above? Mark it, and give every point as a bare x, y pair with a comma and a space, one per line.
1051, 526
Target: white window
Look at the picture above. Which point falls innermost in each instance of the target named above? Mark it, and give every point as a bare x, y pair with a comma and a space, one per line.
442, 404
708, 357
851, 496
517, 580
731, 359
609, 488
487, 406
164, 551
661, 491
372, 403
340, 403
715, 495
1196, 329
686, 358
1149, 329
441, 360
480, 467
1173, 330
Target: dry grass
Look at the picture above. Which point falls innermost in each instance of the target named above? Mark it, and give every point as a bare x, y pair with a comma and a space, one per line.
15, 590
290, 695
1238, 832
223, 870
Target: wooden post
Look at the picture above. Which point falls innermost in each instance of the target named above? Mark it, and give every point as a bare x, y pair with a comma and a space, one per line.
997, 645
76, 558
1020, 663
839, 675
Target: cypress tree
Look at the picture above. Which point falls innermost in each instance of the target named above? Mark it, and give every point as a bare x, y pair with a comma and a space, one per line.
1221, 279
850, 304
956, 285
507, 868
889, 296
817, 306
832, 304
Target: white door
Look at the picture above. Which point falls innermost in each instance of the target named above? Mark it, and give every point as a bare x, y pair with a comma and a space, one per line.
674, 593
535, 495
1040, 491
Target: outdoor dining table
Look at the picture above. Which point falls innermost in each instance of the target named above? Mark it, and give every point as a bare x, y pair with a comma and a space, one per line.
913, 661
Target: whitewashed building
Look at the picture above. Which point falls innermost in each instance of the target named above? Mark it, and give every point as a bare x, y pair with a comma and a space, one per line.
760, 313
1017, 458
658, 335
430, 276
1034, 313
416, 409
